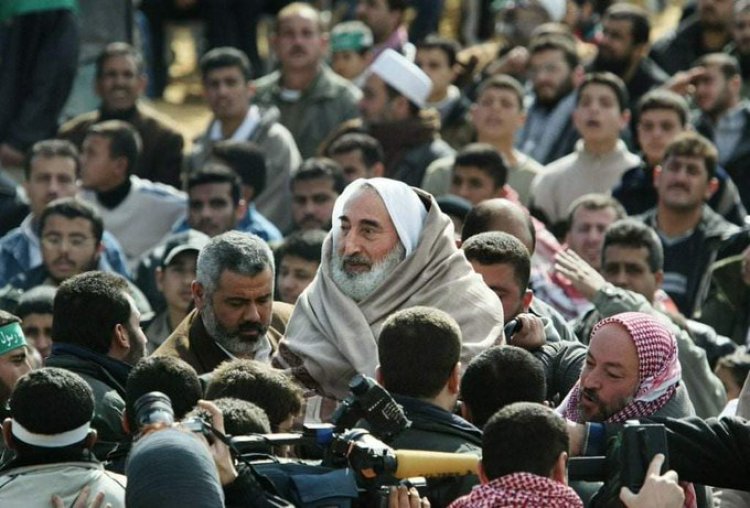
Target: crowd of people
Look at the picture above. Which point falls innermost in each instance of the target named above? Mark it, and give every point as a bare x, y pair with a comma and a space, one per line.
528, 232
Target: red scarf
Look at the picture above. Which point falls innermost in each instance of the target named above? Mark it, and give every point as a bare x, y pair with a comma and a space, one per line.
520, 490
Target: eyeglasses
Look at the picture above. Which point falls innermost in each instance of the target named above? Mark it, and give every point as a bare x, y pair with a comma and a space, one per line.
74, 242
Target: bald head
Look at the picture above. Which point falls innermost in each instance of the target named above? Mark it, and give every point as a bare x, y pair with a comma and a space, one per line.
501, 215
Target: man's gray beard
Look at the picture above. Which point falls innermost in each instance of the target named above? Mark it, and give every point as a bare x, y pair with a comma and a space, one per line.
359, 286
228, 341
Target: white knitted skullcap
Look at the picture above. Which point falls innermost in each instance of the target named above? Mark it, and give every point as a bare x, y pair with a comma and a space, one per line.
408, 79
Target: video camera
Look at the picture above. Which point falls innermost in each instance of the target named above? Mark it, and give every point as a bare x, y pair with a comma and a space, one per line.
340, 444
639, 443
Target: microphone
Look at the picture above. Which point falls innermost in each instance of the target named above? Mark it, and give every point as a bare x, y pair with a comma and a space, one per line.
411, 463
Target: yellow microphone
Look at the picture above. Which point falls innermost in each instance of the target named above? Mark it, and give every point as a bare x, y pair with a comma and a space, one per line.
411, 463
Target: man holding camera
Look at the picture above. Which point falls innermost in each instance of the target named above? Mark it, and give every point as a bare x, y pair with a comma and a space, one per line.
427, 388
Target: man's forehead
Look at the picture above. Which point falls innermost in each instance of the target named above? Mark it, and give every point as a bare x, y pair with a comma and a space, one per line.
62, 224
366, 204
626, 254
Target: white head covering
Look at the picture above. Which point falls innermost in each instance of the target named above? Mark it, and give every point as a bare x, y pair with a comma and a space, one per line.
403, 75
403, 205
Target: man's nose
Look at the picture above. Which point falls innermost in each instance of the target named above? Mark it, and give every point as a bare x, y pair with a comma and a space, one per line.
251, 313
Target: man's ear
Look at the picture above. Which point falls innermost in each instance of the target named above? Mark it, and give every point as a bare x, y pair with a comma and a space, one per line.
379, 375
159, 278
659, 277
90, 439
713, 186
241, 210
199, 295
560, 469
657, 174
454, 382
7, 434
528, 297
482, 473
378, 169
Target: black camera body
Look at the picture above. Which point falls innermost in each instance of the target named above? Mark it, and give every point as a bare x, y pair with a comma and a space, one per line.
639, 443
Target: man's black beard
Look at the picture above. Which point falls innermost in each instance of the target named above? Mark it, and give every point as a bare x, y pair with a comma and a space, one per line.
616, 66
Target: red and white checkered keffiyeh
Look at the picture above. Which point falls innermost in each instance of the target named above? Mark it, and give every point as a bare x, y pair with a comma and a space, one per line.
658, 368
520, 490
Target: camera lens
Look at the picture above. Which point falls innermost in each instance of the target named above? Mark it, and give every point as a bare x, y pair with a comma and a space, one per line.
153, 407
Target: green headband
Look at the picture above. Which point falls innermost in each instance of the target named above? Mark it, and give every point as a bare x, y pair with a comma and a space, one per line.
11, 337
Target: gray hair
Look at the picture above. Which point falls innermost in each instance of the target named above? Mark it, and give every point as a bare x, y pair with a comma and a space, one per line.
240, 253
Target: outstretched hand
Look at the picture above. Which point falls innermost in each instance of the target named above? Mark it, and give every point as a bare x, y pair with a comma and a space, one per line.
582, 275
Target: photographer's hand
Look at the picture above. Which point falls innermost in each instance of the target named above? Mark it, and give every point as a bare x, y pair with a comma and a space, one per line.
401, 497
658, 490
220, 451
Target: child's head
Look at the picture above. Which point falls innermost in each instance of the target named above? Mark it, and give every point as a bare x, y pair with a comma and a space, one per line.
351, 48
601, 108
498, 111
479, 173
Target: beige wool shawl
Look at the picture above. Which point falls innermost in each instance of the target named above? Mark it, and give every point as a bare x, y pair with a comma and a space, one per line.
330, 337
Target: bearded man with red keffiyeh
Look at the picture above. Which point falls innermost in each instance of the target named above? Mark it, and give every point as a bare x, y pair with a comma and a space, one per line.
632, 371
524, 461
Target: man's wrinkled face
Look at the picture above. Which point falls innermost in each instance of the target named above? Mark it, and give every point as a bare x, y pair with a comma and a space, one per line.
120, 83
741, 32
228, 93
597, 115
68, 246
586, 234
295, 274
299, 44
609, 379
683, 183
367, 246
628, 268
13, 364
37, 328
238, 313
616, 48
50, 178
312, 203
656, 129
211, 209
551, 76
713, 95
497, 114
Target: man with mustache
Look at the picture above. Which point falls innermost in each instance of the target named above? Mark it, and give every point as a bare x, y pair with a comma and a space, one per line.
312, 98
390, 248
120, 83
631, 371
691, 233
235, 315
70, 238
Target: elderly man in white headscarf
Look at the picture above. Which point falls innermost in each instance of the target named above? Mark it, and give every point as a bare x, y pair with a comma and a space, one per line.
390, 248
